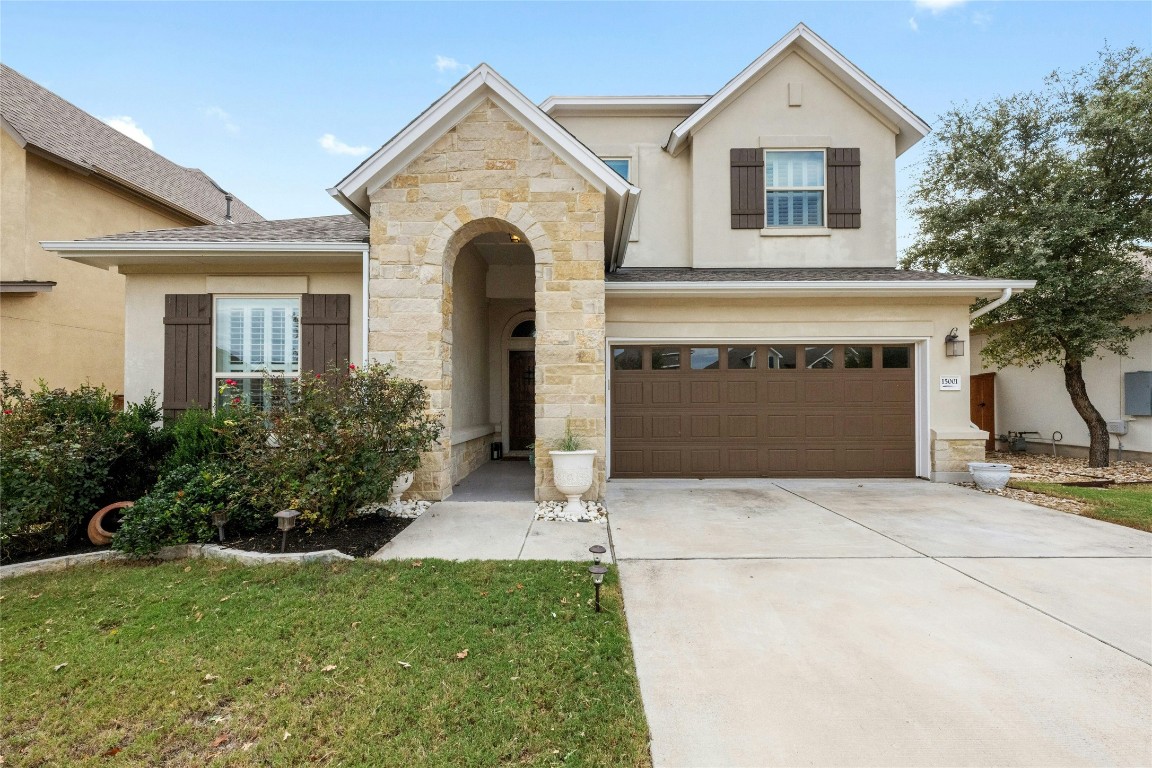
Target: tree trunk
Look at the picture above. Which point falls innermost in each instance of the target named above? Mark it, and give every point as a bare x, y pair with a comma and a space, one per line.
1097, 428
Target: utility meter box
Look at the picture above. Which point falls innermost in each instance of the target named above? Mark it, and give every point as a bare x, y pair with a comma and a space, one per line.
1119, 427
1138, 393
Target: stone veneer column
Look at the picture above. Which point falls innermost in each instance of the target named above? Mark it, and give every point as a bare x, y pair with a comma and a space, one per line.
487, 174
951, 452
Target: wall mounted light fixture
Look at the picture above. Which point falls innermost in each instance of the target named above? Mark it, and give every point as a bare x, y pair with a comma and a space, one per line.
953, 344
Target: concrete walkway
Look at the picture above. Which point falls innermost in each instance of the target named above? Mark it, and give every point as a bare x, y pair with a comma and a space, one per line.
454, 530
885, 623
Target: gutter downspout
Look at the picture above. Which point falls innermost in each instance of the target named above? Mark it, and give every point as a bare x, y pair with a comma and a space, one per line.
1004, 296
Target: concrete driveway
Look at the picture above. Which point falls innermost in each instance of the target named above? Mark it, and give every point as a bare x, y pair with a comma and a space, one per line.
884, 623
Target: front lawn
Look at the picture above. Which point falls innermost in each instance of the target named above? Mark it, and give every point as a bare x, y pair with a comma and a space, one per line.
381, 664
1129, 505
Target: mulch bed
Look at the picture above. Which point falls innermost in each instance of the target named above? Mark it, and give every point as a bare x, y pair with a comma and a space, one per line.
359, 537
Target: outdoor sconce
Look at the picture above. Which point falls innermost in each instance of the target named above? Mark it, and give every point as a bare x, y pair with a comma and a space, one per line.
285, 521
597, 551
219, 518
597, 572
953, 344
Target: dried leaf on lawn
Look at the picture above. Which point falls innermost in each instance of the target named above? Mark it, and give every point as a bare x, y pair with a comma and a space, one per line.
59, 667
404, 664
329, 668
463, 654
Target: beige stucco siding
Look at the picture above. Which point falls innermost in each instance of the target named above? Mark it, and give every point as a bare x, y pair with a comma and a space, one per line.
661, 235
144, 312
761, 117
75, 333
943, 414
1036, 400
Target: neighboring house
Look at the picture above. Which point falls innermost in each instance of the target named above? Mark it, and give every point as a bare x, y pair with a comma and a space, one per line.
743, 317
1035, 401
67, 175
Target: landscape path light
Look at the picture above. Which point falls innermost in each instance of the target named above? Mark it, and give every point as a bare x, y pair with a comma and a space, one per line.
219, 518
597, 572
597, 551
286, 521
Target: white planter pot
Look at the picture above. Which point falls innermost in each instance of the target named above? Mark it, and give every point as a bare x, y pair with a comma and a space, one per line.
989, 477
573, 473
402, 483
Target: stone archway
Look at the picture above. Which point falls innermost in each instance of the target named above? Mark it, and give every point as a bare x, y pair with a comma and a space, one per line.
490, 174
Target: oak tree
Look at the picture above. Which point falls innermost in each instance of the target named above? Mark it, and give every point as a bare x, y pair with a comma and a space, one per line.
1052, 186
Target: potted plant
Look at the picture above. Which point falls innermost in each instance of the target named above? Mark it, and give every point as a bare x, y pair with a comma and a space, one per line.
572, 470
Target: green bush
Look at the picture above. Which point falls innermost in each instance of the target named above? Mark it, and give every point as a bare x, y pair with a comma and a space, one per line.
178, 510
65, 455
55, 467
335, 442
198, 436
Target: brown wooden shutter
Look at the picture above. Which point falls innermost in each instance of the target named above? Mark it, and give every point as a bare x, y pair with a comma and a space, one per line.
844, 188
747, 188
324, 340
187, 352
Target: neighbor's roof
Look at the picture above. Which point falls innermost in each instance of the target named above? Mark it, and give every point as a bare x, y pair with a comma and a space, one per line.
344, 228
50, 126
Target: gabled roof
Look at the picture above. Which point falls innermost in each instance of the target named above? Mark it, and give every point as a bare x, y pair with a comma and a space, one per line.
623, 106
482, 83
49, 126
911, 128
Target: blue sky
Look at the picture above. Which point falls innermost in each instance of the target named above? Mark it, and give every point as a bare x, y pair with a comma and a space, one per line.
249, 91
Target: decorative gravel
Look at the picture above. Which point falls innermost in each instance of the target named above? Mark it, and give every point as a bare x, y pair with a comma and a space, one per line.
1042, 468
594, 512
406, 508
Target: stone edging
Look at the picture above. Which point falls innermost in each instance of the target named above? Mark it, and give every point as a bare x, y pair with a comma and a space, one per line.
180, 552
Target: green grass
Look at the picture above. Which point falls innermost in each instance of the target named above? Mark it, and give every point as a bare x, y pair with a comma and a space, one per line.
1129, 505
201, 662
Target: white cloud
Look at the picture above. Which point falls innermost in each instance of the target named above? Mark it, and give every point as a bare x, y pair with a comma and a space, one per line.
913, 24
334, 146
938, 6
447, 64
127, 126
981, 19
218, 113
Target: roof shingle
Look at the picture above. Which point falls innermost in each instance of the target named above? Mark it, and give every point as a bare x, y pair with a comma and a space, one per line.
62, 130
316, 229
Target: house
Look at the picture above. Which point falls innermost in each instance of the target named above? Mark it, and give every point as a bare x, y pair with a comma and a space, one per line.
1035, 401
700, 286
67, 175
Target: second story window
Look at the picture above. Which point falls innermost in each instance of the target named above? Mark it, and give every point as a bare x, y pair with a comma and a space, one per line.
794, 188
622, 166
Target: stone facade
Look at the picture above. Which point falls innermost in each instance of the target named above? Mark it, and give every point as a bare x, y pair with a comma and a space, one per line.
950, 456
490, 174
470, 454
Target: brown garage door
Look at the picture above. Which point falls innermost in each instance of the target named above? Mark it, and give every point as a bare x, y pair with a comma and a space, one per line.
763, 410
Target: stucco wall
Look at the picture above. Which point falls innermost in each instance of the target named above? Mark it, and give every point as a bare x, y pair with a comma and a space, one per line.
945, 414
761, 117
144, 313
75, 333
661, 231
1036, 400
470, 391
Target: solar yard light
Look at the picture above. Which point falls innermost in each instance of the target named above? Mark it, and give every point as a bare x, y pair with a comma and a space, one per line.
219, 518
597, 572
597, 551
285, 521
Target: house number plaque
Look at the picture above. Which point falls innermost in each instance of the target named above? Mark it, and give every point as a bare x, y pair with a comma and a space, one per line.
949, 383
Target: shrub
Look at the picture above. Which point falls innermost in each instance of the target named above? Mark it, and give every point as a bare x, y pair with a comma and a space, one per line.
198, 436
336, 442
55, 465
66, 454
178, 510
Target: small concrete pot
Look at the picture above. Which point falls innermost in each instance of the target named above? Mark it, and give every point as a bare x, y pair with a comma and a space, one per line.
572, 473
989, 477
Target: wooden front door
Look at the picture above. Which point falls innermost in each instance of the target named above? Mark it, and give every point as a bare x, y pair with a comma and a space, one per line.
521, 400
983, 406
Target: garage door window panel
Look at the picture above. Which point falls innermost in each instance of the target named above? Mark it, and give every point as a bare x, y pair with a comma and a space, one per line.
741, 358
628, 358
665, 358
781, 358
896, 357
